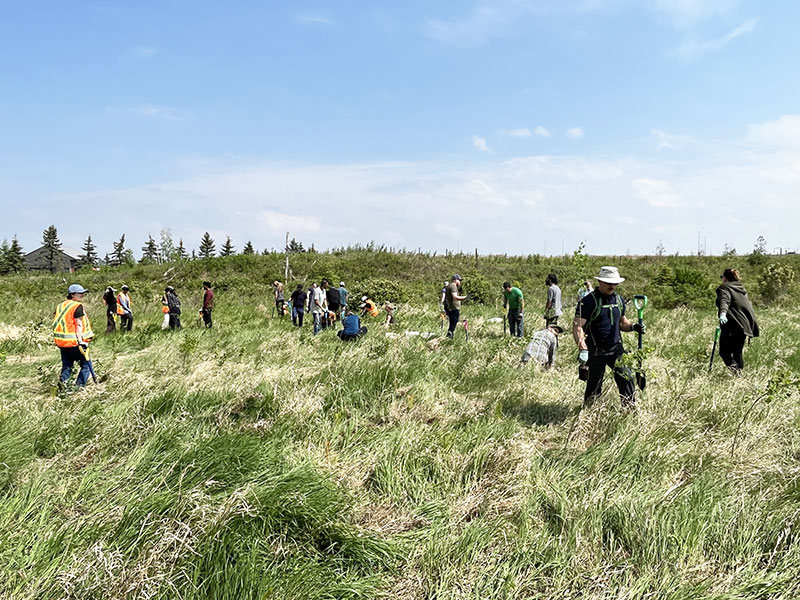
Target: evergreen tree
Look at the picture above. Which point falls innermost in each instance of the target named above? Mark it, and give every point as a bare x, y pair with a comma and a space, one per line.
89, 256
248, 248
5, 248
107, 260
180, 251
128, 258
118, 253
207, 247
167, 247
149, 252
14, 258
227, 248
194, 256
52, 248
295, 246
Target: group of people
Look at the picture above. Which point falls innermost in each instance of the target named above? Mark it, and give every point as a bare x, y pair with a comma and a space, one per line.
599, 320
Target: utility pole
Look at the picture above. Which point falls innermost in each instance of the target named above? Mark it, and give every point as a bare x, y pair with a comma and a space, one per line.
286, 251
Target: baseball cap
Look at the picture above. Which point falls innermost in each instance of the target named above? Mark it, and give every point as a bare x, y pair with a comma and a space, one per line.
456, 276
76, 288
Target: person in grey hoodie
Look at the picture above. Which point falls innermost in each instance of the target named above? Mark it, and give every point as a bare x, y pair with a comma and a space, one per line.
737, 320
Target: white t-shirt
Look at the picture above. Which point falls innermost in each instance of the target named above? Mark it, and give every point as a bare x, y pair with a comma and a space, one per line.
319, 296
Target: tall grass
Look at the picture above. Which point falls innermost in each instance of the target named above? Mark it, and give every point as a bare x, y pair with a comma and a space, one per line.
254, 460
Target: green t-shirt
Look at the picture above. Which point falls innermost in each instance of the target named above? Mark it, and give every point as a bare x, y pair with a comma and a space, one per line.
513, 297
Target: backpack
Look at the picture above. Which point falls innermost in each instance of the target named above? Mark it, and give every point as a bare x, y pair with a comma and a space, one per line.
333, 296
598, 306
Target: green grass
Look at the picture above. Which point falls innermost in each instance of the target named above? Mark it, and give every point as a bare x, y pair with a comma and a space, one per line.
258, 461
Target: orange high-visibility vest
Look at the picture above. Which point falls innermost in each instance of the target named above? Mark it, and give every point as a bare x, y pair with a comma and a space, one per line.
64, 330
372, 310
120, 310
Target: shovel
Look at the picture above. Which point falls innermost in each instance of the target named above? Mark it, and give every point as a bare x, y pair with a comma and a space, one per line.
85, 352
640, 301
714, 348
504, 324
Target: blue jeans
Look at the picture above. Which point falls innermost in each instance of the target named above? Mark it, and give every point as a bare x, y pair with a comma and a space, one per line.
297, 315
317, 322
454, 316
515, 318
68, 358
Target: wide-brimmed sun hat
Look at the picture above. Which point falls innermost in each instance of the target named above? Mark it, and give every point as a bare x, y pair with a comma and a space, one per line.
609, 275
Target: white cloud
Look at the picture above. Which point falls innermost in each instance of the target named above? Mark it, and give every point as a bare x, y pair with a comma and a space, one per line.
670, 141
784, 132
541, 131
480, 143
278, 222
520, 132
313, 18
144, 51
693, 49
575, 133
163, 112
685, 13
447, 230
656, 192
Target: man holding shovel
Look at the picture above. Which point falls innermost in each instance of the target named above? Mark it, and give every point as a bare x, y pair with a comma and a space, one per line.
514, 300
599, 319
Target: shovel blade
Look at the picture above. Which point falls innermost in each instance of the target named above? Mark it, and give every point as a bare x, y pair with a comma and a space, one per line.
641, 380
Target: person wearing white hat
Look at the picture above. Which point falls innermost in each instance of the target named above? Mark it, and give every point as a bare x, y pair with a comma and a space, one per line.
599, 319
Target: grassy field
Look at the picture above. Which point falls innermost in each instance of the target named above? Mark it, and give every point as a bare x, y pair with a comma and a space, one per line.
258, 461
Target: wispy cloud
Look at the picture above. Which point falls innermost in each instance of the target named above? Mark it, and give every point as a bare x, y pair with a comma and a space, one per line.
144, 52
656, 192
691, 50
313, 18
521, 132
685, 13
541, 131
783, 132
155, 111
671, 141
574, 133
480, 143
487, 20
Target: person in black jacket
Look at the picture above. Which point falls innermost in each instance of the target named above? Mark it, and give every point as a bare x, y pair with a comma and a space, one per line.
737, 320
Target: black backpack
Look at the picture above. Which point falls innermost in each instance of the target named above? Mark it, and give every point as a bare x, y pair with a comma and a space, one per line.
333, 296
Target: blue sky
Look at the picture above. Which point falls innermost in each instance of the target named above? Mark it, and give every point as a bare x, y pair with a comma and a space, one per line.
517, 126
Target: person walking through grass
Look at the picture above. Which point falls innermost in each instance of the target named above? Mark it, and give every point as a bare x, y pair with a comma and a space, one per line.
72, 333
343, 298
126, 306
543, 346
515, 302
165, 311
174, 307
452, 303
319, 306
599, 319
110, 300
737, 320
298, 299
552, 307
208, 304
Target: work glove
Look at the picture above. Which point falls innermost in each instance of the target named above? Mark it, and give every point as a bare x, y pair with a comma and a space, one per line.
639, 328
723, 318
83, 344
583, 357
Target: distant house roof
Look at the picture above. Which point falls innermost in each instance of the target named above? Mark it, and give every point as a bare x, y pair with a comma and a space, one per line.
71, 252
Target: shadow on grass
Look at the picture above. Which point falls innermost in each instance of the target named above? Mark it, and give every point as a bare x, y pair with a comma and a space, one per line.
536, 413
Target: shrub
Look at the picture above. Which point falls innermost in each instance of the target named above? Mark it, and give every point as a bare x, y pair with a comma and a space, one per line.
774, 282
478, 288
381, 290
680, 286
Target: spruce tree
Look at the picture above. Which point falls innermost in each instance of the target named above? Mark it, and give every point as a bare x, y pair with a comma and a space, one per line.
15, 257
52, 248
149, 252
248, 248
180, 251
207, 247
227, 248
5, 248
118, 253
89, 256
295, 246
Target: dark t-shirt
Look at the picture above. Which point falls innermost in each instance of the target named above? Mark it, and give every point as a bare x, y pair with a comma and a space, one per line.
79, 312
333, 298
602, 334
208, 299
298, 298
111, 302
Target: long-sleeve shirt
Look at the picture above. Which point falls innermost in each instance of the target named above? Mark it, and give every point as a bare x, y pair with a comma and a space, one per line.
542, 348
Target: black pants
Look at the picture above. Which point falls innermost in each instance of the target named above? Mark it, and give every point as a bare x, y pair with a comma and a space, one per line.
279, 307
111, 321
126, 322
174, 321
731, 344
361, 331
453, 316
207, 317
623, 377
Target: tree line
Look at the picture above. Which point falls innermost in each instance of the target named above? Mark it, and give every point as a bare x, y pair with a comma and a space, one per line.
12, 257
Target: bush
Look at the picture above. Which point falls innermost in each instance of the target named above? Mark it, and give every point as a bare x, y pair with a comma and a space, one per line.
381, 290
478, 288
774, 282
680, 286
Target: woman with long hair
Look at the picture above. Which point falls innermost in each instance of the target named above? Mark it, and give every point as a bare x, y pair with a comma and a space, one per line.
737, 320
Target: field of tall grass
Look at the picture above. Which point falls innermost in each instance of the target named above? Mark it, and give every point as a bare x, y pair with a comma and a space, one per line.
255, 460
